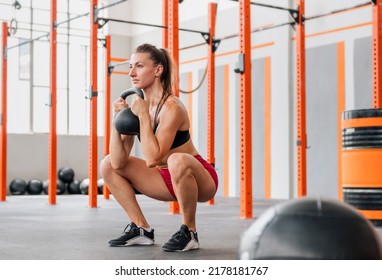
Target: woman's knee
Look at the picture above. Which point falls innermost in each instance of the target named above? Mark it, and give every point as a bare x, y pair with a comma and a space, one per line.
105, 167
179, 165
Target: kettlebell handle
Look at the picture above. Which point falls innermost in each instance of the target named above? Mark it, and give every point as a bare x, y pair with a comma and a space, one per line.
131, 91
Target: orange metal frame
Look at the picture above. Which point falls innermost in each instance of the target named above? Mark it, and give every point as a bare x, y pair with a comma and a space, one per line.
52, 172
173, 45
212, 7
301, 103
377, 53
93, 141
245, 113
3, 131
106, 192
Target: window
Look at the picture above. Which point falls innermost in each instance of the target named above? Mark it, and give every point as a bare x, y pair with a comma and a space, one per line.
29, 69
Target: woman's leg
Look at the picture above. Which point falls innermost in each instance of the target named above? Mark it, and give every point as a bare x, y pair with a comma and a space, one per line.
192, 183
146, 180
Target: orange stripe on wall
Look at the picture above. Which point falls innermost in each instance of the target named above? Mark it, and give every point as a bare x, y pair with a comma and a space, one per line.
336, 30
267, 127
118, 59
341, 108
230, 52
120, 72
189, 99
226, 129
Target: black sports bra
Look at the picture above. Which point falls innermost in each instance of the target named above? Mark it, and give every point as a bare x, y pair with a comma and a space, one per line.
181, 136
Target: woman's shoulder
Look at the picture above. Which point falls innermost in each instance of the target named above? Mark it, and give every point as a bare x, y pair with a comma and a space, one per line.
175, 113
175, 108
174, 103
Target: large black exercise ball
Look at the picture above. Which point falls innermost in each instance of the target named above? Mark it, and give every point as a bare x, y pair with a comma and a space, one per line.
18, 187
125, 121
74, 187
60, 187
311, 229
34, 186
66, 174
84, 186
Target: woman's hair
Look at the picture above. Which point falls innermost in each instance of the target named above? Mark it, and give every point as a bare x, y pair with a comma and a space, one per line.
160, 56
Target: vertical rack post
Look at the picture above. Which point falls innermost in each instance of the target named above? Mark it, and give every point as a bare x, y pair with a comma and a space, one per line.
377, 53
211, 88
3, 116
93, 141
245, 112
52, 172
105, 190
173, 44
301, 106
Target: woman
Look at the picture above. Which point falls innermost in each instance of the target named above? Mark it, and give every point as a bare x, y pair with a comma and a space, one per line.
171, 162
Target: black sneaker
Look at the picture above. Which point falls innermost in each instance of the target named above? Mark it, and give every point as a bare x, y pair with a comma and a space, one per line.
133, 235
183, 240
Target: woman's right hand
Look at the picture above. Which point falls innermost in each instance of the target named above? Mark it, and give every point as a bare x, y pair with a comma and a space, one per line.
118, 105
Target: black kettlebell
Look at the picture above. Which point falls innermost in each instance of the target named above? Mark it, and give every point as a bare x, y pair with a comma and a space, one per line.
125, 121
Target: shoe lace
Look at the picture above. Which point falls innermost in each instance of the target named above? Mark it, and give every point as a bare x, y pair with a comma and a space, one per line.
179, 234
128, 229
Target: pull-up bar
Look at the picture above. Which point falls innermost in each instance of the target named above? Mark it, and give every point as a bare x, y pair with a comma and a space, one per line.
339, 11
86, 14
62, 22
103, 21
269, 6
29, 41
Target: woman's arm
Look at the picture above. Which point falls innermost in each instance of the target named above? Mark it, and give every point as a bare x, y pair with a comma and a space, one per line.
120, 145
155, 147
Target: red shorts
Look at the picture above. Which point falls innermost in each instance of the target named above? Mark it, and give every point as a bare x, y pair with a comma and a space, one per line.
167, 176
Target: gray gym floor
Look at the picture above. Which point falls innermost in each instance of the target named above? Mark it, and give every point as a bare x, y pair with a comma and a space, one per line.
30, 228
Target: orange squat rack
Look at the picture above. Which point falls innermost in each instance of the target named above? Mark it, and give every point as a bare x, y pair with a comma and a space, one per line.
301, 100
173, 46
52, 172
107, 89
3, 120
93, 141
245, 111
212, 8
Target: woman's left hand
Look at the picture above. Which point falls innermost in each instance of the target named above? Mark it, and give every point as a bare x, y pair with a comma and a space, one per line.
139, 106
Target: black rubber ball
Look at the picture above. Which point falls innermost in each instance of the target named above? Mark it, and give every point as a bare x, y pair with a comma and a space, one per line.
34, 186
60, 187
84, 186
74, 187
66, 174
311, 229
18, 187
100, 184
